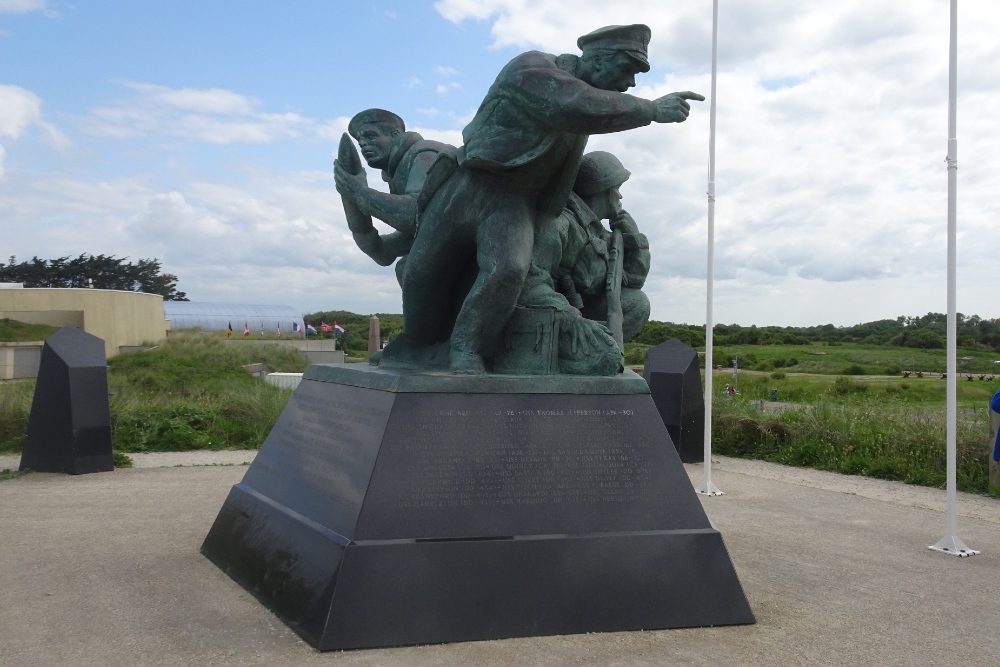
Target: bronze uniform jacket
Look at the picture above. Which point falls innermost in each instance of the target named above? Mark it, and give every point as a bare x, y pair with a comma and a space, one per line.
537, 101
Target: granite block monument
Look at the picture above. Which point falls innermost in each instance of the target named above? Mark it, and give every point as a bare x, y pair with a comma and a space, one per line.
671, 371
495, 472
69, 427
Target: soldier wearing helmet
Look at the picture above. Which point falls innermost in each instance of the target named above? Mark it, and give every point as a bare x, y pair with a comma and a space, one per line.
598, 185
570, 266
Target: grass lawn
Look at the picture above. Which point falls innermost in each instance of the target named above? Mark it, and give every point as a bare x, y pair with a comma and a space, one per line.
815, 388
884, 427
12, 331
837, 359
189, 393
840, 359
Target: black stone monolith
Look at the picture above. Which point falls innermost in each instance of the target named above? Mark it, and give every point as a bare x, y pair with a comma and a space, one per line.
671, 371
69, 428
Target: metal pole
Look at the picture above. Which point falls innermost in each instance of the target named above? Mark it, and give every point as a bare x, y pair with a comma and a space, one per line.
707, 487
950, 543
736, 374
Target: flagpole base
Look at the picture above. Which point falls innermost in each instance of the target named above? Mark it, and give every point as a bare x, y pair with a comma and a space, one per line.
954, 546
709, 489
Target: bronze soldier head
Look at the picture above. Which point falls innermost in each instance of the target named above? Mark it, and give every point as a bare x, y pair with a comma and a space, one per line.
613, 55
598, 181
375, 130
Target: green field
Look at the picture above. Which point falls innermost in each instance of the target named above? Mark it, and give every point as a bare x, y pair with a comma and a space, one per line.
815, 388
192, 393
885, 427
839, 358
351, 355
189, 393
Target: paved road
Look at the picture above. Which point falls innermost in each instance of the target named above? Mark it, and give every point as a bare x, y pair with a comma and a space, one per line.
104, 570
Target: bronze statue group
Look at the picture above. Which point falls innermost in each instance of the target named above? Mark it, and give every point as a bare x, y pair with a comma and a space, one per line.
500, 246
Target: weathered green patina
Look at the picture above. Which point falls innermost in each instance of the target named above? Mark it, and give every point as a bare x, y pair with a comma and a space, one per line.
505, 268
404, 158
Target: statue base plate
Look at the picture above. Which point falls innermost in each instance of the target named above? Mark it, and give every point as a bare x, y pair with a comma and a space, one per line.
418, 512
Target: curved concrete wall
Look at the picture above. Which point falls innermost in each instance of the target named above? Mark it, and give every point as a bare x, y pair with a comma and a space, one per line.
119, 318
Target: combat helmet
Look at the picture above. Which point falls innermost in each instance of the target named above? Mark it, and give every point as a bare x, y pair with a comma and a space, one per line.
599, 171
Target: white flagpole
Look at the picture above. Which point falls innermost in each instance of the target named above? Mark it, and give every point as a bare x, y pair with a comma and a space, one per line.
707, 487
950, 543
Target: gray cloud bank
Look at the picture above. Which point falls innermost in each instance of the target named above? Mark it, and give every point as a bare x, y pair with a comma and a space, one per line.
831, 180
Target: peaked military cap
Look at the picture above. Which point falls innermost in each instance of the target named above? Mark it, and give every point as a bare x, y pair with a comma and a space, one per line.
632, 39
374, 116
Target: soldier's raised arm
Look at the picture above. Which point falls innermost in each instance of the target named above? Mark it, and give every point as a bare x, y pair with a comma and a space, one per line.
673, 108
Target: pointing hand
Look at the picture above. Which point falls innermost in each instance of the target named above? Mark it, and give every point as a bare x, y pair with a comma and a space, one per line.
673, 108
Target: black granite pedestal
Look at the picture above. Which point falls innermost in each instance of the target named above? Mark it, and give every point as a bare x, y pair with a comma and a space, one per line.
388, 508
671, 370
69, 427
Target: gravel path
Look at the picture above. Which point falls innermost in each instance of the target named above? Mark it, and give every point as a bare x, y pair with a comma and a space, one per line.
104, 570
169, 459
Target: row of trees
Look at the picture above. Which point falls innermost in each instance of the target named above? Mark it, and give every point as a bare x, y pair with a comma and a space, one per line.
106, 271
927, 331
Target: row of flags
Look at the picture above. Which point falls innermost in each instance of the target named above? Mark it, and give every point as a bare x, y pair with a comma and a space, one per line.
324, 327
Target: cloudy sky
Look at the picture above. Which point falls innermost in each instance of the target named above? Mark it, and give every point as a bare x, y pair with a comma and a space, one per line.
203, 134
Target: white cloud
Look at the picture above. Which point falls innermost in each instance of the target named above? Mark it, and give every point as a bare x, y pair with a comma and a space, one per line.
209, 100
22, 6
453, 137
275, 238
831, 136
20, 110
446, 72
210, 115
831, 184
445, 88
333, 129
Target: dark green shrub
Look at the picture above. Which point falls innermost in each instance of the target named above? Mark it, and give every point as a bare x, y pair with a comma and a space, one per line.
635, 355
722, 357
844, 386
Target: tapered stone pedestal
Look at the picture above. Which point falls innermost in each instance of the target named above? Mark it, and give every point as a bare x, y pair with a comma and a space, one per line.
390, 508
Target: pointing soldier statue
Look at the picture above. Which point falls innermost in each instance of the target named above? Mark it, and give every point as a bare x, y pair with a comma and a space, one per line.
514, 174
